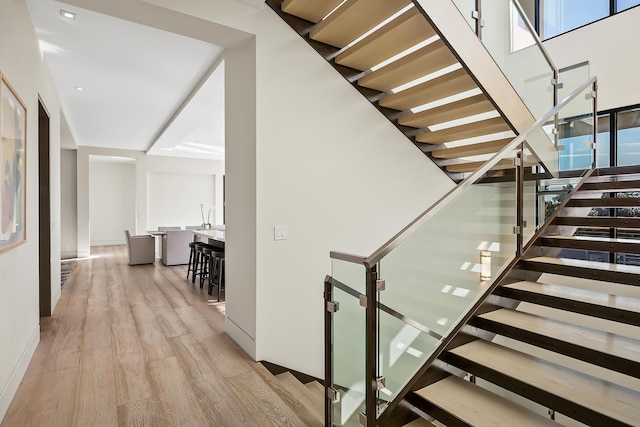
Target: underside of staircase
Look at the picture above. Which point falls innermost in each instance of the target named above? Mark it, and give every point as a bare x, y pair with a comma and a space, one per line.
396, 57
558, 342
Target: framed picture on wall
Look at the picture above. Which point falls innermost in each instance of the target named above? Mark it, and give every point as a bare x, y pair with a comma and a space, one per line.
13, 167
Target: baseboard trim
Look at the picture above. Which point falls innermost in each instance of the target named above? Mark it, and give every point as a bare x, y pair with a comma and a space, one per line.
243, 339
10, 389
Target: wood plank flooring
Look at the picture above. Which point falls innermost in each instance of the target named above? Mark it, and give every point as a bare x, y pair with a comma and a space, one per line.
142, 346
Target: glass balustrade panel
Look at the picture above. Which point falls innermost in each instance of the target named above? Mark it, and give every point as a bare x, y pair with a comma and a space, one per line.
512, 44
575, 130
436, 274
349, 345
571, 78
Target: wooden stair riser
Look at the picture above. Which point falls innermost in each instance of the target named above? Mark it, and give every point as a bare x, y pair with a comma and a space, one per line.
612, 202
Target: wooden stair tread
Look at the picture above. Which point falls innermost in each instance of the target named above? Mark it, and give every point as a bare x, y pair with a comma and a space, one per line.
289, 397
591, 339
311, 10
621, 185
469, 130
471, 149
420, 422
479, 407
452, 83
591, 243
426, 60
594, 239
591, 265
306, 396
471, 106
609, 202
473, 166
404, 32
567, 293
598, 221
353, 19
559, 382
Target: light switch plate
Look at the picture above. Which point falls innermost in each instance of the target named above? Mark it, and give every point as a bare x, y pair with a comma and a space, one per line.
280, 232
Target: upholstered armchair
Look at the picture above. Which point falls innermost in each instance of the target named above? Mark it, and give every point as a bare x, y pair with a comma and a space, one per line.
140, 249
175, 247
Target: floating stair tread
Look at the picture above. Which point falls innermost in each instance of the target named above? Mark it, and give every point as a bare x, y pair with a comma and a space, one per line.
622, 306
574, 294
404, 32
311, 10
592, 339
353, 19
424, 61
618, 170
592, 243
469, 130
471, 149
473, 166
467, 107
618, 185
306, 397
598, 221
452, 83
479, 407
591, 393
588, 265
609, 202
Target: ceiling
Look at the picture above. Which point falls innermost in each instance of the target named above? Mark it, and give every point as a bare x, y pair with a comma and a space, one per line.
144, 88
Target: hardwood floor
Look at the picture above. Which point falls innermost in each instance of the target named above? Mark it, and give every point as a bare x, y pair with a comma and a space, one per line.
142, 346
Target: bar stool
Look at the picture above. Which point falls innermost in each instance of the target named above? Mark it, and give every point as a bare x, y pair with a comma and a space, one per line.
205, 269
199, 262
216, 276
192, 257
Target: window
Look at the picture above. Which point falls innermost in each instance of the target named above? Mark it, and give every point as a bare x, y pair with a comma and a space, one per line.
560, 16
628, 137
626, 4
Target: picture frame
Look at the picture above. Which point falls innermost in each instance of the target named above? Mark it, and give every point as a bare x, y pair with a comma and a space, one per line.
13, 167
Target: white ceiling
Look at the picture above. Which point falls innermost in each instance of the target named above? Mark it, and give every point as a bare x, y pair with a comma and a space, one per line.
144, 88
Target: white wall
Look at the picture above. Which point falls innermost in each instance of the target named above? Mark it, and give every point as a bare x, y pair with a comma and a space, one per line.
174, 199
112, 201
138, 184
21, 63
68, 204
336, 172
609, 47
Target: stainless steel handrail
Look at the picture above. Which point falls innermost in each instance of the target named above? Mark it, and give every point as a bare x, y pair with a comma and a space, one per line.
392, 243
536, 37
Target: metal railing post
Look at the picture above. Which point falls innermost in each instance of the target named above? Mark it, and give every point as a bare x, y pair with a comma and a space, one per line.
372, 346
328, 352
594, 97
519, 229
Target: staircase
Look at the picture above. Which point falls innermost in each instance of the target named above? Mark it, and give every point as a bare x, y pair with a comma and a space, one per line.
558, 340
559, 334
396, 57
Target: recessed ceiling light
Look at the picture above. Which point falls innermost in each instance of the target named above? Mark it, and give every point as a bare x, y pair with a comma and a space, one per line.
79, 88
67, 14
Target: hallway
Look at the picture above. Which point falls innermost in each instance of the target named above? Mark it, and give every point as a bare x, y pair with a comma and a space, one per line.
142, 346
